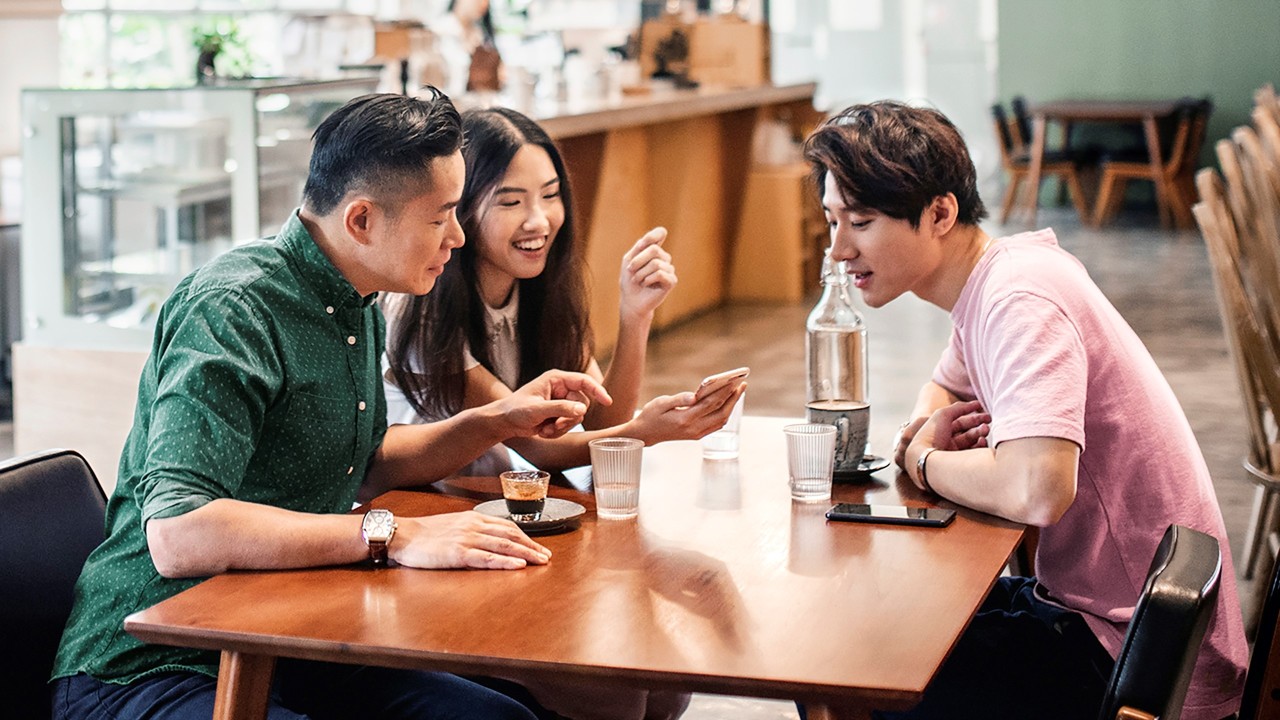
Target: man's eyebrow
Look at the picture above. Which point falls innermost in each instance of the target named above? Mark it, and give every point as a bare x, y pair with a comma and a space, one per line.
448, 206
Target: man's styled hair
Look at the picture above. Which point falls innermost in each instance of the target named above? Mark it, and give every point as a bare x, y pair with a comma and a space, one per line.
895, 159
380, 145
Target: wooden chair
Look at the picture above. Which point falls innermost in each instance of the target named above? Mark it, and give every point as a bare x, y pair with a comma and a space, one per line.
51, 517
1252, 340
1015, 157
1153, 669
1174, 173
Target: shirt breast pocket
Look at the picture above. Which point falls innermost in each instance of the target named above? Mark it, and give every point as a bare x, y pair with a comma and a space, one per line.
304, 406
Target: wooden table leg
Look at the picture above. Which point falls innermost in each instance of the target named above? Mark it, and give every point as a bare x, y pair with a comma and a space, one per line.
1157, 169
1033, 172
244, 682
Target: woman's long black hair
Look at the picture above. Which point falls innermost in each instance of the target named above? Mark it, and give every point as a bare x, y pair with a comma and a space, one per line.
425, 348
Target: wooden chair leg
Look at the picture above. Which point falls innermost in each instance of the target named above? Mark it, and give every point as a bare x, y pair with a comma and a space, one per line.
1072, 180
1255, 539
1105, 189
1010, 195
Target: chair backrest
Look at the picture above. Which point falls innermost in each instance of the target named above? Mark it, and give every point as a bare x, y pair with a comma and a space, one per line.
1154, 667
51, 516
1009, 145
1262, 683
1021, 119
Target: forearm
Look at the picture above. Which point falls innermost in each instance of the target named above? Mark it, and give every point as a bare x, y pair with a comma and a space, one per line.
622, 380
420, 454
230, 534
1031, 481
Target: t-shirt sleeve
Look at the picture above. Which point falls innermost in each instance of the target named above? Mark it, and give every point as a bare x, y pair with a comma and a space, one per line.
950, 372
1038, 370
468, 360
217, 374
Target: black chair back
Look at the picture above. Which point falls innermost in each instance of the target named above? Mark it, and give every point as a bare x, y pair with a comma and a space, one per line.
1022, 117
51, 517
1262, 684
1154, 667
1002, 129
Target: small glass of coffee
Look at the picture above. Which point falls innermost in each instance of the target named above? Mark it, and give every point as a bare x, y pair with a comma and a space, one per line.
526, 493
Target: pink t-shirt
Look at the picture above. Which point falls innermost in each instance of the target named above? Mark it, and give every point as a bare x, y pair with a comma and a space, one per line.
1044, 351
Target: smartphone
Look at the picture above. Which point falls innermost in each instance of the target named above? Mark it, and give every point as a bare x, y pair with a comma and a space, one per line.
714, 382
892, 514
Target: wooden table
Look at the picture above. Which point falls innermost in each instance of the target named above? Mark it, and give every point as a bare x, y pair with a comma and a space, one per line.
721, 585
1146, 112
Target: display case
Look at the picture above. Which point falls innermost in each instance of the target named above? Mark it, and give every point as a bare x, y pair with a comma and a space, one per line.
129, 190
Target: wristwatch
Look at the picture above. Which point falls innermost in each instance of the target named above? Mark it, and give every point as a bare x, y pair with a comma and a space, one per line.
378, 528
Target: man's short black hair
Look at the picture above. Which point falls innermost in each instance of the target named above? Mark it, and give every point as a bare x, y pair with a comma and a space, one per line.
380, 145
895, 159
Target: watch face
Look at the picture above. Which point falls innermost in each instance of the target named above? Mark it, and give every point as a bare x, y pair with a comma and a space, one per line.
379, 524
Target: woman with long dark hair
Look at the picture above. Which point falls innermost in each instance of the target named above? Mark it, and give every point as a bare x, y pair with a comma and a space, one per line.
513, 303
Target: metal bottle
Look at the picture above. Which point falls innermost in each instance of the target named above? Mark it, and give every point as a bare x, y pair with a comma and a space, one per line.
836, 341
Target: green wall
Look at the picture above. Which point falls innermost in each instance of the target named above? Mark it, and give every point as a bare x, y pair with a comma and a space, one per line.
1049, 49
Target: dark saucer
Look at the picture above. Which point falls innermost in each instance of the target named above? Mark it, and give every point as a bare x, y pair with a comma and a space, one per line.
557, 516
869, 464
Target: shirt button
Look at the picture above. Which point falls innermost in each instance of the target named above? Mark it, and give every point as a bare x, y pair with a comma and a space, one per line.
329, 309
351, 339
351, 469
362, 405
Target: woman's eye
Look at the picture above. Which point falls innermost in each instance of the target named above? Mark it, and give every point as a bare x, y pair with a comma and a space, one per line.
508, 203
552, 195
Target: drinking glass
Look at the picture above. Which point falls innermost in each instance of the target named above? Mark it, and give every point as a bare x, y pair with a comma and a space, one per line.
615, 472
811, 451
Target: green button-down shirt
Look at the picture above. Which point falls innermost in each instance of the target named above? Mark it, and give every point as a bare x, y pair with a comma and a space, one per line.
263, 385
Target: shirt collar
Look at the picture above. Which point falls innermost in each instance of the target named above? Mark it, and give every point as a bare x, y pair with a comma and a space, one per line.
316, 269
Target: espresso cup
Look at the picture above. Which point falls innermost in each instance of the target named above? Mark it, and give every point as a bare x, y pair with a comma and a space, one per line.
526, 493
852, 420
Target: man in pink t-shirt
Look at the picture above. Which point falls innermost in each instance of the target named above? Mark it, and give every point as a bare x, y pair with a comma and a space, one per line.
1045, 409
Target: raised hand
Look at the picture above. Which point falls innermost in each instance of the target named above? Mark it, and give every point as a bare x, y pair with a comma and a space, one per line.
684, 417
464, 540
551, 404
647, 276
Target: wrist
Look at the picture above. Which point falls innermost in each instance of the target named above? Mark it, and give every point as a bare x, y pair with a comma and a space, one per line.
922, 471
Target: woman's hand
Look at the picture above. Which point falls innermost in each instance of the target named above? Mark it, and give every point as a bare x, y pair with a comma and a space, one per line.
647, 276
679, 417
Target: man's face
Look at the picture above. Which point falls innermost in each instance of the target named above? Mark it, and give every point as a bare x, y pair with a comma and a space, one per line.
885, 257
413, 245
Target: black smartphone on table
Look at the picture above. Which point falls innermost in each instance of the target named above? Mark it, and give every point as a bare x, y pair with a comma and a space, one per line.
892, 514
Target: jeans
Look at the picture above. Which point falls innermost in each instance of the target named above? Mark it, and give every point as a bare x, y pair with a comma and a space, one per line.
302, 689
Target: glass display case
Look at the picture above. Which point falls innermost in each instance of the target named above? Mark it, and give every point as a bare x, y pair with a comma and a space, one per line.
127, 191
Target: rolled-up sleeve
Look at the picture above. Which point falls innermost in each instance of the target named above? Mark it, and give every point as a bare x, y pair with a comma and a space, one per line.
218, 373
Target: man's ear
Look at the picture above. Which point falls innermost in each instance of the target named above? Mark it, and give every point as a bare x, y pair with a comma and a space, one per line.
942, 213
358, 218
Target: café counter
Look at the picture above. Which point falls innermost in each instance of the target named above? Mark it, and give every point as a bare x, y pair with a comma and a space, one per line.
677, 158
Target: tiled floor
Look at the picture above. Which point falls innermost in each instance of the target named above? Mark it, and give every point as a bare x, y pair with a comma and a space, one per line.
1159, 280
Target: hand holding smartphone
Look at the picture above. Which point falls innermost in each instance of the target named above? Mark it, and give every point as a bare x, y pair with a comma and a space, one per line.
711, 383
892, 514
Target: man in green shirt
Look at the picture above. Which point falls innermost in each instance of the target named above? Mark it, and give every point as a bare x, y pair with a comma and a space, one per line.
261, 419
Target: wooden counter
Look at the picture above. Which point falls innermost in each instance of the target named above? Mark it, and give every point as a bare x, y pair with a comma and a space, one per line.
676, 158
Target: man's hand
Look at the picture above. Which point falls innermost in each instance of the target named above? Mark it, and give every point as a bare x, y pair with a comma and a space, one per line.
647, 276
551, 404
958, 426
464, 540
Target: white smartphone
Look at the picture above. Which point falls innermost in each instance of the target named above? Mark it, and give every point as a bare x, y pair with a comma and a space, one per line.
711, 383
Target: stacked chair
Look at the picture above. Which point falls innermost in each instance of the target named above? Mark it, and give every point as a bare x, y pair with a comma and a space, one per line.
1239, 216
1014, 134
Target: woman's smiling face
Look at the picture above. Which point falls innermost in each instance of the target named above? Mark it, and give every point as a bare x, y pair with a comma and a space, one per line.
518, 224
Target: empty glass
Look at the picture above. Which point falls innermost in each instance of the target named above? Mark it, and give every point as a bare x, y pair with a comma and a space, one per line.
811, 451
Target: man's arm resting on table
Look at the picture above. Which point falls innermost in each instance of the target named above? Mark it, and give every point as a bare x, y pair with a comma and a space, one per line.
1028, 480
227, 534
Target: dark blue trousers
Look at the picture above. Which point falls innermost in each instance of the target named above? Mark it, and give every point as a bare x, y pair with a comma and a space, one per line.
1020, 658
302, 689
